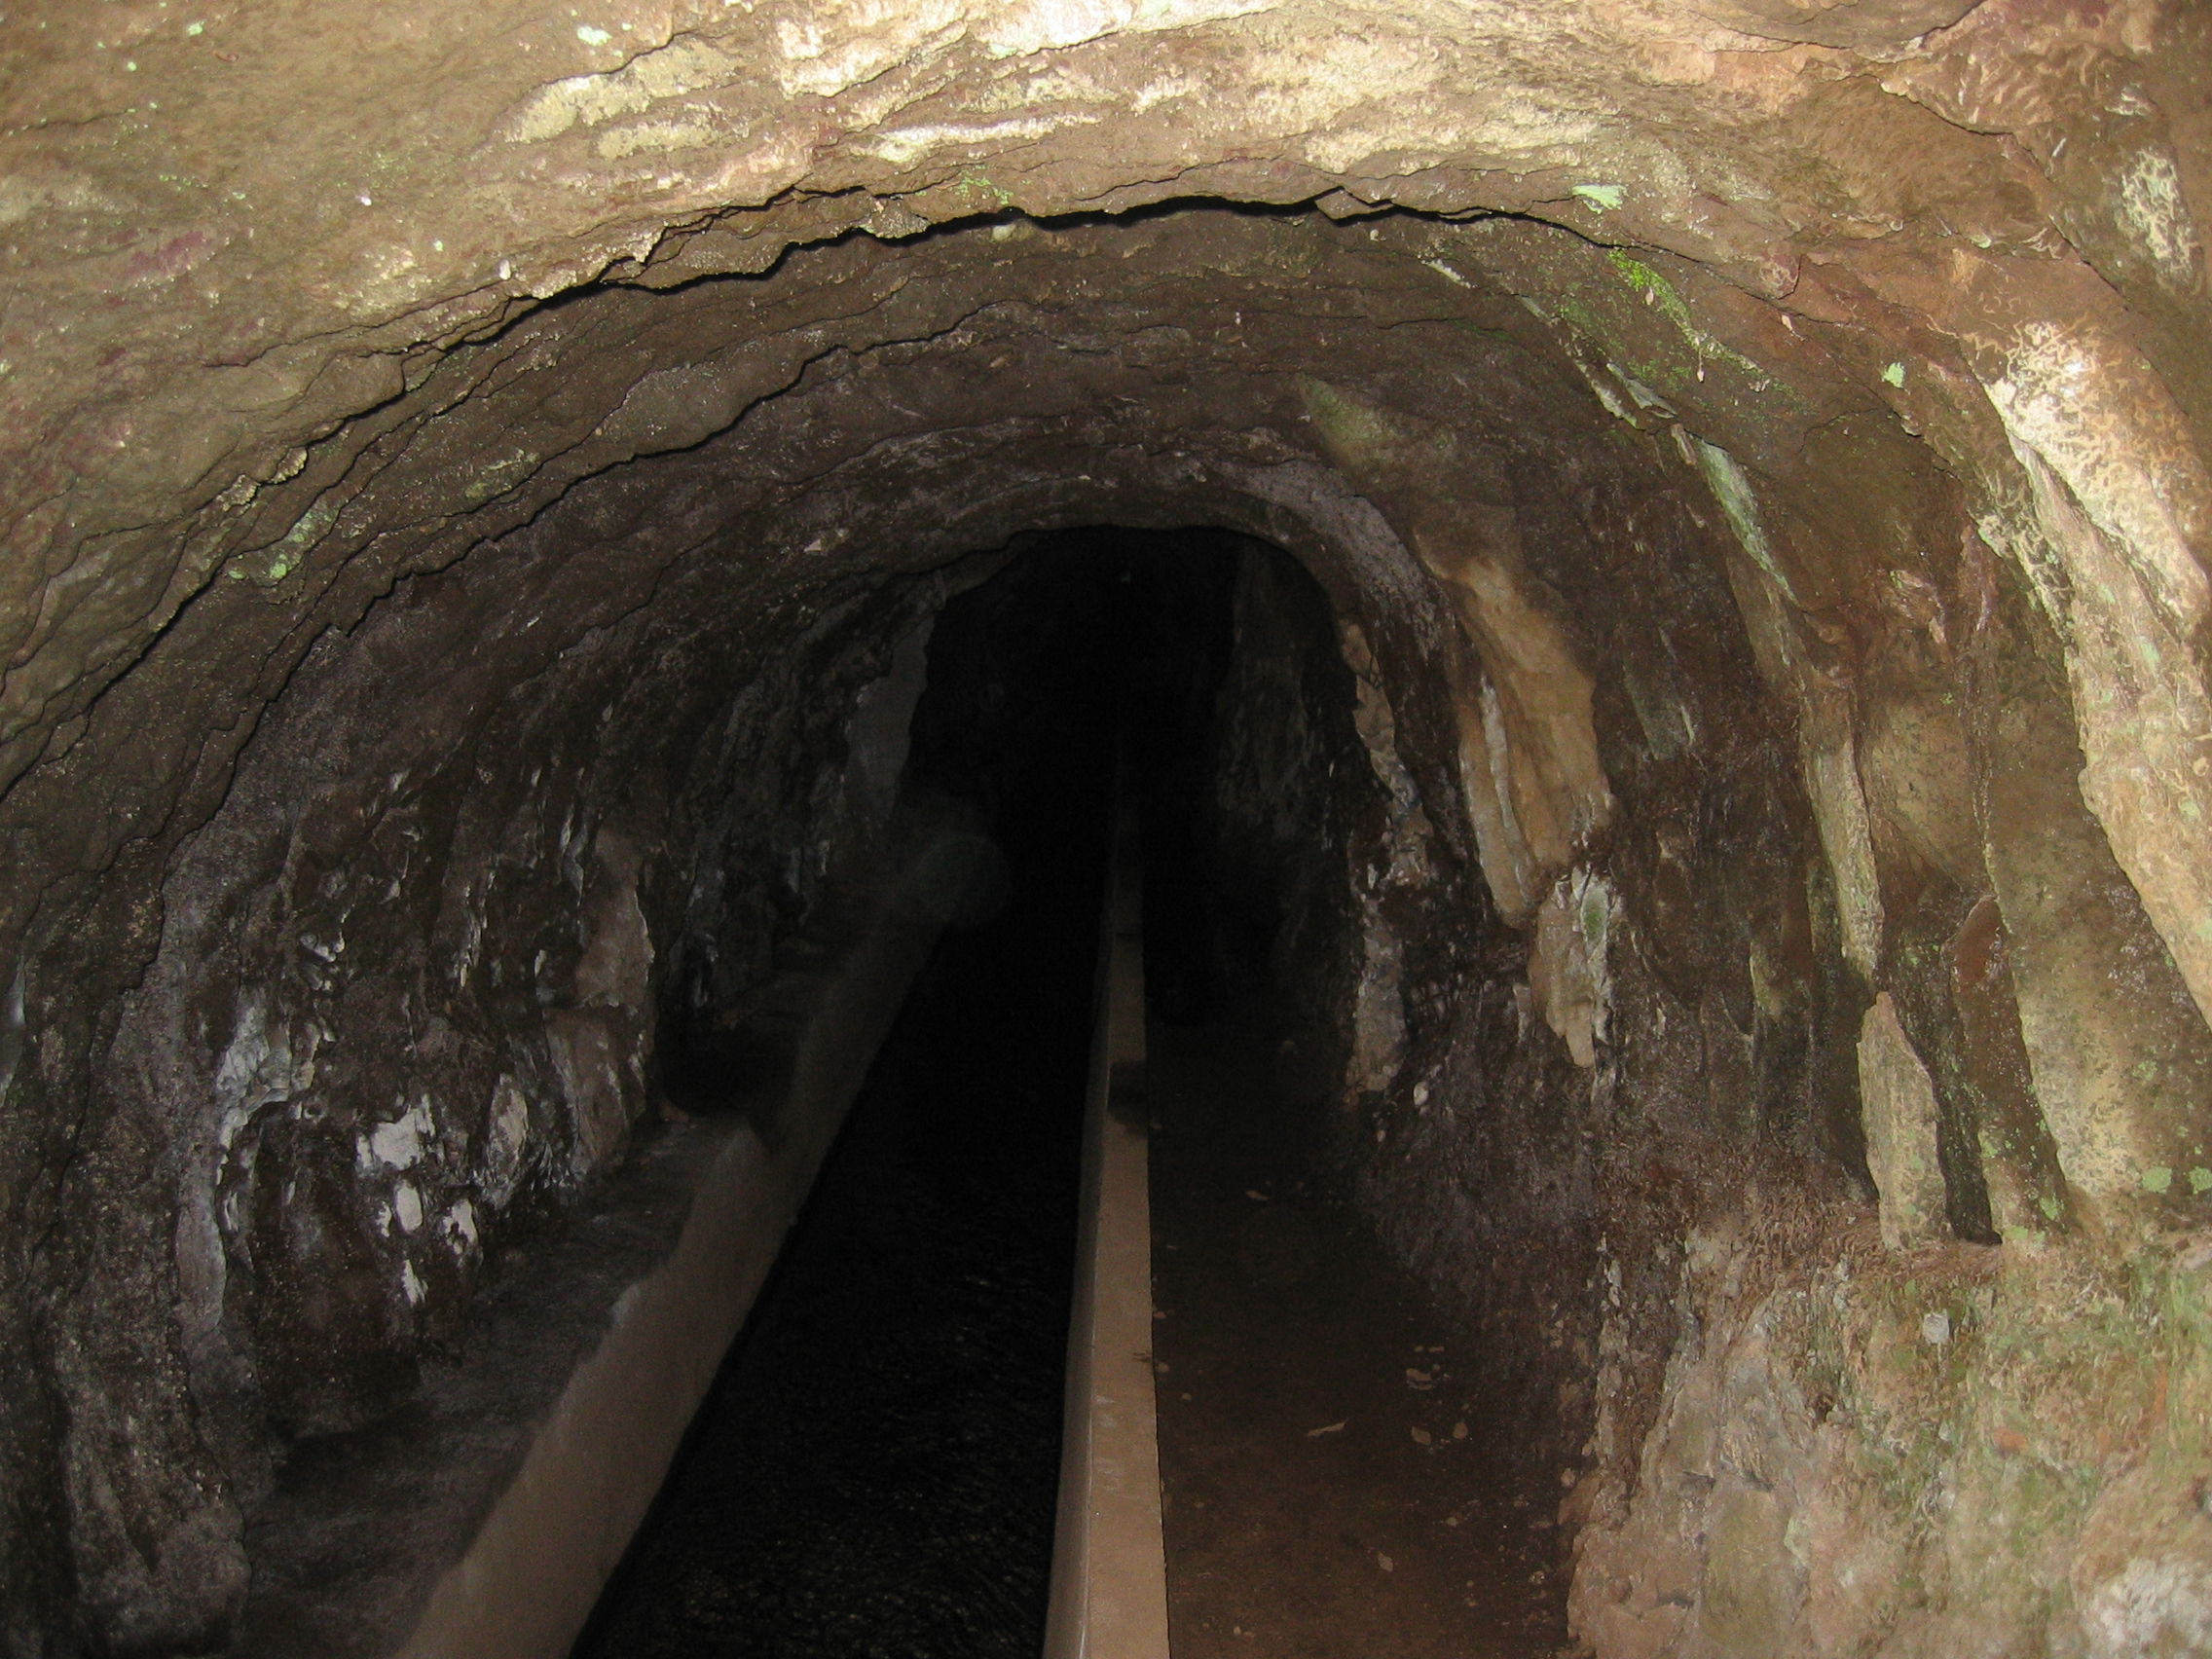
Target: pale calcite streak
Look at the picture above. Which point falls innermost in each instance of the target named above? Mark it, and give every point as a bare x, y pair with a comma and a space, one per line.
682, 66
1569, 972
1041, 26
903, 145
2109, 430
2149, 205
2115, 489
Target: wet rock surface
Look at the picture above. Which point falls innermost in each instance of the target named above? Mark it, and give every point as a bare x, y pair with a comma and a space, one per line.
356, 1528
471, 477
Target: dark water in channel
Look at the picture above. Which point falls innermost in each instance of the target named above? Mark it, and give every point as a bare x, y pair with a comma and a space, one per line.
875, 1472
875, 1469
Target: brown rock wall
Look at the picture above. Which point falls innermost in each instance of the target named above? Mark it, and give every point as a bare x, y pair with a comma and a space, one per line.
461, 467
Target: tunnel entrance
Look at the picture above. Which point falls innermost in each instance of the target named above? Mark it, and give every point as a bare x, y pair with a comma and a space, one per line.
875, 1468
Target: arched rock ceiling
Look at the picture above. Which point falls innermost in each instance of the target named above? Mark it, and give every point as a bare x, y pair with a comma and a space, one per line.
729, 456
248, 242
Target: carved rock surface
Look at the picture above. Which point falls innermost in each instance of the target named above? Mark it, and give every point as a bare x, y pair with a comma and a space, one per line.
469, 472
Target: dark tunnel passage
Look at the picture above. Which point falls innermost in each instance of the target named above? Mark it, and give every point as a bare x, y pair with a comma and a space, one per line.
561, 566
874, 1470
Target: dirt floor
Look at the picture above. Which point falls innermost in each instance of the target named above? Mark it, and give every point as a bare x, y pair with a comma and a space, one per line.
1324, 1500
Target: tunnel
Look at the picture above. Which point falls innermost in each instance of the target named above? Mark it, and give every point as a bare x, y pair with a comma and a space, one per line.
1641, 564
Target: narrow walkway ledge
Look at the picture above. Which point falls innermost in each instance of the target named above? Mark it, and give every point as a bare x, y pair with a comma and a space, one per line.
1109, 1562
483, 1521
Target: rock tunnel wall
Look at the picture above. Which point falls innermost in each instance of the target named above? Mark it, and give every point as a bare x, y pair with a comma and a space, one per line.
1754, 457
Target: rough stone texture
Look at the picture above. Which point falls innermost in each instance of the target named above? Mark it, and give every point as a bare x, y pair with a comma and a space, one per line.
1896, 1104
462, 466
